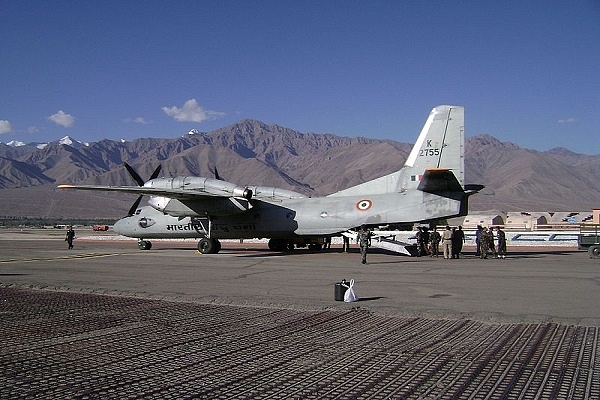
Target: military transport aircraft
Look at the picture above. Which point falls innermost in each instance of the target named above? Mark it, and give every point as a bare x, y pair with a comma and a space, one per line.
430, 186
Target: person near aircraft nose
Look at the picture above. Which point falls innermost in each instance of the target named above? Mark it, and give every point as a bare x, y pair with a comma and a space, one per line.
364, 240
70, 236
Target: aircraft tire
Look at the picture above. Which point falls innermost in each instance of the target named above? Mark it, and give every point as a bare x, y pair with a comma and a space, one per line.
209, 246
594, 251
277, 245
144, 245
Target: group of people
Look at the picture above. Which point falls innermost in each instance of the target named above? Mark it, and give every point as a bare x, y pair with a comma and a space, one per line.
484, 239
451, 240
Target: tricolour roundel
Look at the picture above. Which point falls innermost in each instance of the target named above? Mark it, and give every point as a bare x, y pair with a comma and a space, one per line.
364, 205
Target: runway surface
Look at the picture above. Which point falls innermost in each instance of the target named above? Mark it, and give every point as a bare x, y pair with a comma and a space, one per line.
106, 320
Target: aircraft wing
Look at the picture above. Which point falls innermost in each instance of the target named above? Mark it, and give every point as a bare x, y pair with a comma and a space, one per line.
181, 194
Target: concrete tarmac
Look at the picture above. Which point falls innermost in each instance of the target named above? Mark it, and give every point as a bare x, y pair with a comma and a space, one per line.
555, 290
531, 285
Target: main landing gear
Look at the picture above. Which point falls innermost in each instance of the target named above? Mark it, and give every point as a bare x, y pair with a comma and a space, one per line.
144, 244
594, 251
209, 246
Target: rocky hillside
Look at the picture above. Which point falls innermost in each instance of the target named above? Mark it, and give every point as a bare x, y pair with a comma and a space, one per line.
251, 152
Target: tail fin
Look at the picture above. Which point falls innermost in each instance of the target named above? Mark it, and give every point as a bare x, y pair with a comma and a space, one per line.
441, 143
439, 149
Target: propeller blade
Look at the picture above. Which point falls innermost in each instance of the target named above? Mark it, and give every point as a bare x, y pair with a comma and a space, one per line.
155, 173
217, 174
135, 206
140, 182
134, 174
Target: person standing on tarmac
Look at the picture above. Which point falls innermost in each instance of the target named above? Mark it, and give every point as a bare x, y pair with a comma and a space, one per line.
484, 242
420, 242
478, 240
364, 240
458, 239
70, 236
435, 243
501, 242
447, 243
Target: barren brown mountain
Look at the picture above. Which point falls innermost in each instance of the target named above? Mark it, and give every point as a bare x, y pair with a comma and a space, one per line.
251, 152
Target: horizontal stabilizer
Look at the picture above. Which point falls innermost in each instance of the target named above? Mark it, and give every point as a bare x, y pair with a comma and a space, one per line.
436, 180
473, 188
408, 249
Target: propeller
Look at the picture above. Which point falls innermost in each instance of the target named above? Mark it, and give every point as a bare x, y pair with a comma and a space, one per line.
138, 179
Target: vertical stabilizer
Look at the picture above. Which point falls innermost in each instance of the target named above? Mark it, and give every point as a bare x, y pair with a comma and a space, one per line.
440, 146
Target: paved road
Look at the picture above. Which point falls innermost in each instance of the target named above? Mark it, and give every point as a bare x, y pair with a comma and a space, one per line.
106, 320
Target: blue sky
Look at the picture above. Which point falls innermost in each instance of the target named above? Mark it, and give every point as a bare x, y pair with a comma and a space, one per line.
527, 72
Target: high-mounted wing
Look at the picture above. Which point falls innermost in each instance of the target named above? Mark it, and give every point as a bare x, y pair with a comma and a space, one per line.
181, 188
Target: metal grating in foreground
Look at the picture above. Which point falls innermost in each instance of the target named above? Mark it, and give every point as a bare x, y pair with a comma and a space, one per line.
72, 345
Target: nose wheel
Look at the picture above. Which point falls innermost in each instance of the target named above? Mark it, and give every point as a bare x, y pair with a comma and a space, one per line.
209, 246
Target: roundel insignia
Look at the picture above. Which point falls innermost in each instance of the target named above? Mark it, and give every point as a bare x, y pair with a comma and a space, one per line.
364, 205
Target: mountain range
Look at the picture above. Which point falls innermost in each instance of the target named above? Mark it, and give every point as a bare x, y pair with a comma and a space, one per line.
254, 153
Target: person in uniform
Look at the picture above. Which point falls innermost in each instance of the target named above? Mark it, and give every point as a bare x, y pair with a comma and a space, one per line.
484, 241
435, 243
478, 240
364, 240
420, 242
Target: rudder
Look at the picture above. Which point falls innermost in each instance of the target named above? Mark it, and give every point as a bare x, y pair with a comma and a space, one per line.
440, 144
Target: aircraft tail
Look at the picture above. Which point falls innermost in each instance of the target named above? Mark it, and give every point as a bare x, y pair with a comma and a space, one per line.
436, 162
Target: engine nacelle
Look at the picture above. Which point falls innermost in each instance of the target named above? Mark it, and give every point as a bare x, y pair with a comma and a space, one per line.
268, 192
208, 185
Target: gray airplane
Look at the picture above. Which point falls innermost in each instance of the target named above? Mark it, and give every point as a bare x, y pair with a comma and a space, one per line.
430, 186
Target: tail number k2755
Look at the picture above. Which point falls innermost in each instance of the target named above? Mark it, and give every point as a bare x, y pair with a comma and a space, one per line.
429, 152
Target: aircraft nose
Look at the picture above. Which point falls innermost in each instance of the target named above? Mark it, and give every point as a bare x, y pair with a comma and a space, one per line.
122, 227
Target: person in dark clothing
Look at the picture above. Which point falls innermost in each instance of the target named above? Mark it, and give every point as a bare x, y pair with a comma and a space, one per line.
70, 236
458, 239
501, 242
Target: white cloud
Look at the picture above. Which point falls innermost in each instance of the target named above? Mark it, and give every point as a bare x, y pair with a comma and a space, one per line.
567, 121
191, 112
62, 119
138, 120
5, 126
